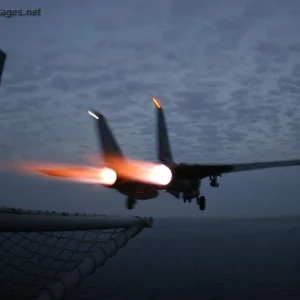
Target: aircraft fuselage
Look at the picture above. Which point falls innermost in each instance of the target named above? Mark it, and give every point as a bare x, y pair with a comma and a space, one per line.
136, 190
188, 188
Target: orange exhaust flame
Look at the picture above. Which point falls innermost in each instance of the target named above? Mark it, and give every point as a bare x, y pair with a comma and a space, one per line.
107, 175
76, 173
141, 171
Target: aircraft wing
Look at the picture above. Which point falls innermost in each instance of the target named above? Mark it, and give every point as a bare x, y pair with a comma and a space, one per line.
204, 170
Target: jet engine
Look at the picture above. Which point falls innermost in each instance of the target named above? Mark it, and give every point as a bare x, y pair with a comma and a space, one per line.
107, 176
161, 175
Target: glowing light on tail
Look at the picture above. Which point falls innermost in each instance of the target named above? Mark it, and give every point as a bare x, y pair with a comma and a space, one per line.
156, 102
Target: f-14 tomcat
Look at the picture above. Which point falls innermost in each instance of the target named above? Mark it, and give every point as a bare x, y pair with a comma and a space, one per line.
186, 179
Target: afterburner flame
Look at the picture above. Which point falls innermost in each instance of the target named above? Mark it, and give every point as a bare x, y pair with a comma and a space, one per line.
140, 171
161, 175
107, 176
75, 173
128, 170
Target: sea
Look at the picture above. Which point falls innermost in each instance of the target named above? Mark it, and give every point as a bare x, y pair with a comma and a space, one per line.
203, 259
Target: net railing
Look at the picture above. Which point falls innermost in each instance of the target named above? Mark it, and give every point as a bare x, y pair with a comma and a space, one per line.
43, 255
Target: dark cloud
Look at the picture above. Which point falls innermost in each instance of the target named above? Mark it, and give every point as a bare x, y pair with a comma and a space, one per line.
51, 56
295, 47
288, 84
257, 9
276, 92
111, 93
272, 50
138, 86
234, 135
239, 95
188, 8
296, 71
229, 32
171, 56
264, 66
59, 82
66, 83
202, 105
249, 82
107, 23
48, 40
22, 89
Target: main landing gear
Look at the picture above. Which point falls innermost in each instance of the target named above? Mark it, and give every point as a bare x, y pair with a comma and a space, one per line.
130, 202
201, 201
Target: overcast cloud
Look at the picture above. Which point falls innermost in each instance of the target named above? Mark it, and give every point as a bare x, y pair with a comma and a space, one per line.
226, 72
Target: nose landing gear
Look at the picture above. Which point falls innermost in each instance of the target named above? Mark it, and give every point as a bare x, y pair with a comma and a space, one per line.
201, 200
130, 202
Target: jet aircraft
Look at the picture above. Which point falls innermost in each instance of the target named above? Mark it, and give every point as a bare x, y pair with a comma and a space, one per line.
114, 159
186, 178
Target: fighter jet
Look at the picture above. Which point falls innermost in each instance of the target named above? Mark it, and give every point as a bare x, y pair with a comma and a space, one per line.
132, 185
2, 62
186, 179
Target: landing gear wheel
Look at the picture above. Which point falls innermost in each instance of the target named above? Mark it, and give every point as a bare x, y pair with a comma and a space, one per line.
201, 202
130, 203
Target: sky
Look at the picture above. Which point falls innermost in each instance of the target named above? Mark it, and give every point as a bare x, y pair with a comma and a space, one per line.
226, 72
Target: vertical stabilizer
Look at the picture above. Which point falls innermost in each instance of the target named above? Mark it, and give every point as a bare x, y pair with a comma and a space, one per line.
164, 153
110, 148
